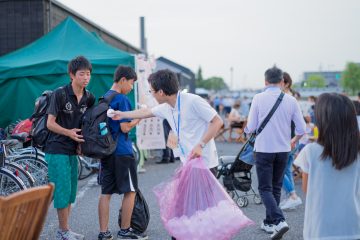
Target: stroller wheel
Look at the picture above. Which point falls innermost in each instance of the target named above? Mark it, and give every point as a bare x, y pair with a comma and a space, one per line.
246, 201
231, 194
257, 199
242, 202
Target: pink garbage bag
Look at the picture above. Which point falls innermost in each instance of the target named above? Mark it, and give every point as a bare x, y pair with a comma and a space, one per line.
194, 206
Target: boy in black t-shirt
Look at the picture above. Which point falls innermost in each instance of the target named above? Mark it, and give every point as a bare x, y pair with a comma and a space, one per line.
64, 117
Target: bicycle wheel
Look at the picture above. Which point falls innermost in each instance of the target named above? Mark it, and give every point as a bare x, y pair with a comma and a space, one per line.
136, 153
79, 166
36, 167
30, 151
88, 166
27, 154
9, 183
20, 172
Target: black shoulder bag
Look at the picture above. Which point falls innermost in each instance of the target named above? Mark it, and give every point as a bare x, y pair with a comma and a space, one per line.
266, 120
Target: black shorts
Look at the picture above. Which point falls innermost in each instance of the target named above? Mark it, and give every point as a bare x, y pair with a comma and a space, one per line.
118, 174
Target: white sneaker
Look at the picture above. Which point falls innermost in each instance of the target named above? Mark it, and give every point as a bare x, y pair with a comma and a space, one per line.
291, 203
268, 228
77, 235
283, 202
280, 230
64, 235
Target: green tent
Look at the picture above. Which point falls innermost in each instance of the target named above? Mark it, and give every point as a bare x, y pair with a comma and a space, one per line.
42, 65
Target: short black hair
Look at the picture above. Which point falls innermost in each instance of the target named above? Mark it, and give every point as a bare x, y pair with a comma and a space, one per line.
274, 75
79, 63
164, 80
126, 72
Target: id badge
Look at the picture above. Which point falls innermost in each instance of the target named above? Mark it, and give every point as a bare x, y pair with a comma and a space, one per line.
172, 141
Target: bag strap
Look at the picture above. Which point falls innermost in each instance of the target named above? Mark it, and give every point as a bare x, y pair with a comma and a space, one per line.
267, 119
63, 96
90, 98
108, 98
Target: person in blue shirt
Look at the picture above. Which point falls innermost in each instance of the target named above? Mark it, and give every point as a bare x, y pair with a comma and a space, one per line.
119, 169
217, 102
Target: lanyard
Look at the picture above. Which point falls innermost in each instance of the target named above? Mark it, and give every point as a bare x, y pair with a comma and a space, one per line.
177, 127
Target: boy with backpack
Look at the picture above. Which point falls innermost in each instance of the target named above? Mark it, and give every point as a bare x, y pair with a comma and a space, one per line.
119, 169
66, 107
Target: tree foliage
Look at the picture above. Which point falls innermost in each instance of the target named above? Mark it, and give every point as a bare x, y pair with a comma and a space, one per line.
199, 77
351, 78
315, 81
213, 83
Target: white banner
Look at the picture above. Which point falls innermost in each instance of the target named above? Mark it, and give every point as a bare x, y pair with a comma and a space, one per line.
149, 132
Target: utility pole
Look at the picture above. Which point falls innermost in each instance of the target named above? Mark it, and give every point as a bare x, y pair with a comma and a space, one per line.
231, 78
142, 36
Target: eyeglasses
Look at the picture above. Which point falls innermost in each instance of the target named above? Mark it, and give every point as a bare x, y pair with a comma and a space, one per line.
152, 91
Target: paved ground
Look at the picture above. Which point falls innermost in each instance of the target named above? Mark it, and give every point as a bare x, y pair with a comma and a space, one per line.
84, 218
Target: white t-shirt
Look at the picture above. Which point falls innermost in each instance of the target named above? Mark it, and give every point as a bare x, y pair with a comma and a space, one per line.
308, 132
195, 116
332, 209
235, 113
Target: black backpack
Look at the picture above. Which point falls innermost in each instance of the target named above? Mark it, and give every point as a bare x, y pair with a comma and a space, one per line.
99, 142
140, 216
39, 132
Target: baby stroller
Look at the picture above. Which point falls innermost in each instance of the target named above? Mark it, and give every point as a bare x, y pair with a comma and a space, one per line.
236, 174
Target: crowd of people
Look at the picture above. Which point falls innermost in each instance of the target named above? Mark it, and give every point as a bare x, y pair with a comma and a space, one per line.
323, 142
323, 126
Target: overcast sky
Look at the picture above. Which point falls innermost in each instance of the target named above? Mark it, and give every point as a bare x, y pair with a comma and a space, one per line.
248, 35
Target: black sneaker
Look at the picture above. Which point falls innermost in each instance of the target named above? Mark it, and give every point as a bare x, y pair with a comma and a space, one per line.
162, 161
130, 234
105, 235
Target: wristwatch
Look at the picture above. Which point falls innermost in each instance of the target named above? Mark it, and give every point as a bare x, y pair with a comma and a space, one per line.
202, 144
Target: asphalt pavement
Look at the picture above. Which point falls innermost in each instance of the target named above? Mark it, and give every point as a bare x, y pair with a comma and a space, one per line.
84, 216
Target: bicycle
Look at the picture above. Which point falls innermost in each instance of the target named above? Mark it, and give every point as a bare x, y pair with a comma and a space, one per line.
21, 173
87, 166
9, 182
36, 166
28, 151
136, 153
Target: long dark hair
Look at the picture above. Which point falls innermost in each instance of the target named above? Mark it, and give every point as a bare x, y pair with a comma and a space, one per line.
288, 80
338, 131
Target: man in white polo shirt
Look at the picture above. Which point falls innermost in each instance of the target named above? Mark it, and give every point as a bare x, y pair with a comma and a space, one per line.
193, 121
272, 146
